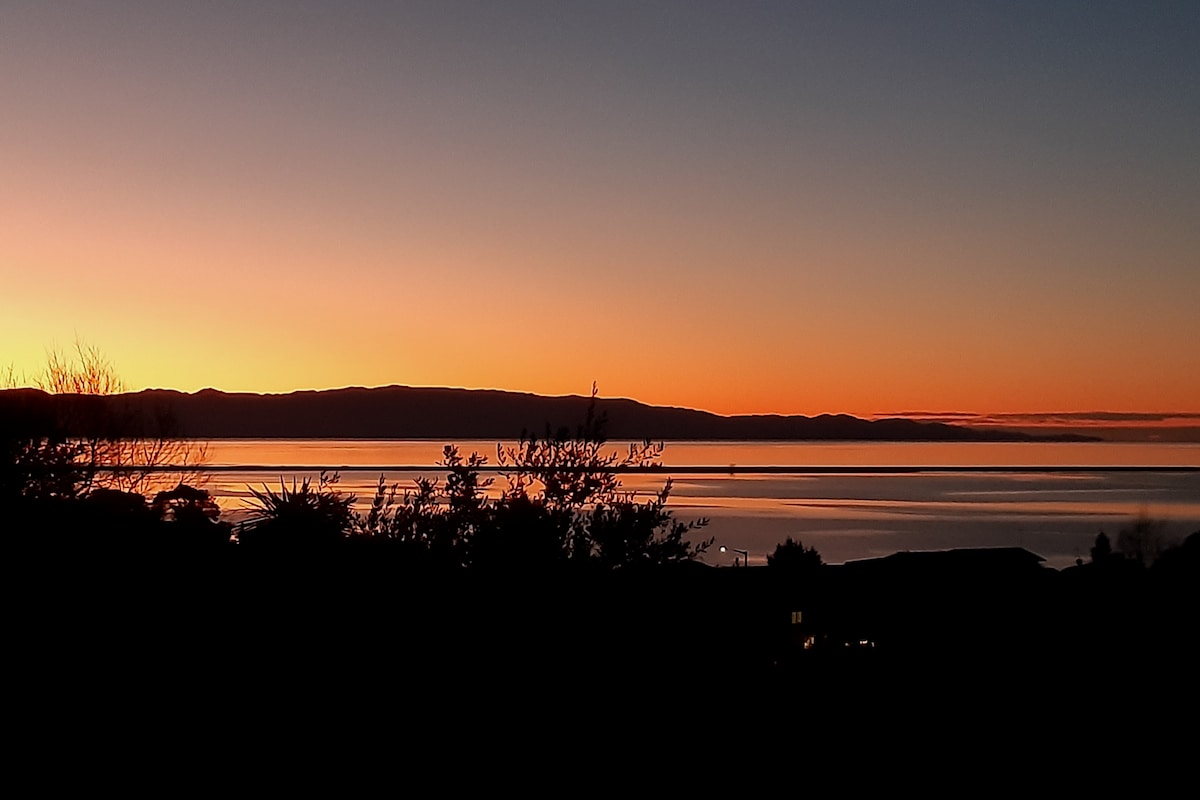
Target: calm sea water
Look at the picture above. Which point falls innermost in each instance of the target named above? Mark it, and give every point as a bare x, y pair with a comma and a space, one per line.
1051, 498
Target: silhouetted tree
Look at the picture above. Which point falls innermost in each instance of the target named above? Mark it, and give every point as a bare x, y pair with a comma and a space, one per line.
38, 461
1181, 560
577, 482
74, 460
563, 503
119, 448
520, 533
1102, 549
793, 556
1143, 541
629, 533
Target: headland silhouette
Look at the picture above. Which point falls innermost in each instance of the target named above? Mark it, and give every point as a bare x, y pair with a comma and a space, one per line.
404, 412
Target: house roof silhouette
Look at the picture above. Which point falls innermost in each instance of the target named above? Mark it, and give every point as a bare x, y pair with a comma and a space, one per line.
963, 560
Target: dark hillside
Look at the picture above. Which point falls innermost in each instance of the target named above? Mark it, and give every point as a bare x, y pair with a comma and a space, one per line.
401, 412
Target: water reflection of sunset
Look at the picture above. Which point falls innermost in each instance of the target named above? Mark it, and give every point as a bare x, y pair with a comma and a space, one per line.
848, 515
803, 455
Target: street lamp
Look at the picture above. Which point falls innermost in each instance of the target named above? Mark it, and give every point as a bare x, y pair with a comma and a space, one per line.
745, 555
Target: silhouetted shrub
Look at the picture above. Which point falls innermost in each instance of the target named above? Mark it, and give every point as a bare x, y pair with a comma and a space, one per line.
191, 515
301, 515
38, 460
563, 503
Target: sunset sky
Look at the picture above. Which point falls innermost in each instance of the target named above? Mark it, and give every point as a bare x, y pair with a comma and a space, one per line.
792, 207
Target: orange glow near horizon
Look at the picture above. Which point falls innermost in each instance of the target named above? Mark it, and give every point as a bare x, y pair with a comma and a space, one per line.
849, 396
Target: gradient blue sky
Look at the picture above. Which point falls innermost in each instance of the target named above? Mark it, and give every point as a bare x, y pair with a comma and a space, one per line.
743, 207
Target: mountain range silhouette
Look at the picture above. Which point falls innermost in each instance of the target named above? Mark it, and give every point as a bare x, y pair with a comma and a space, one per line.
407, 412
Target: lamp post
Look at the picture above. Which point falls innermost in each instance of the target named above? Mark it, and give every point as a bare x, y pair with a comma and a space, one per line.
745, 555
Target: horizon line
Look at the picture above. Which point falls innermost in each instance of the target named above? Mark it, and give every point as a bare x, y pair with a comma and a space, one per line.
959, 417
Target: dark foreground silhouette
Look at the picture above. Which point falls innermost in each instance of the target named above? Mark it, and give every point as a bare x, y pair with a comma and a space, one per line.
352, 648
564, 599
364, 605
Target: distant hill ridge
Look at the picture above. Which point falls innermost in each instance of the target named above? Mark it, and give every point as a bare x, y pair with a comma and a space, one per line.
406, 412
